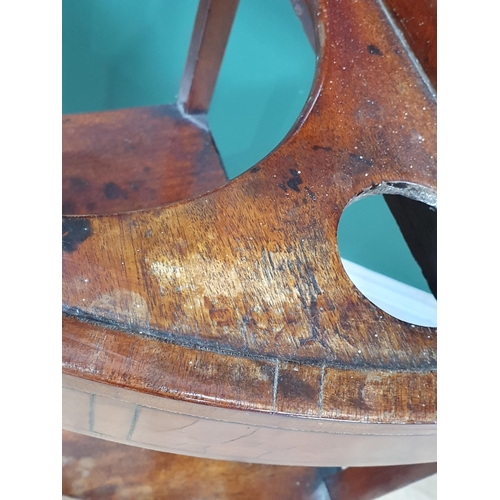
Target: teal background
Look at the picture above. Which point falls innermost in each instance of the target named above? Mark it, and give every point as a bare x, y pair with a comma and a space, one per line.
128, 53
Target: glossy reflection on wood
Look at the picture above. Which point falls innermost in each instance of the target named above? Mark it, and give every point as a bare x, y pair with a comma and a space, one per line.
237, 299
133, 159
418, 22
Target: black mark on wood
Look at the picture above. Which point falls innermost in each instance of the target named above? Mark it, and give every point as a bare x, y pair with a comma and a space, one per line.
325, 148
295, 180
373, 49
399, 185
310, 193
74, 232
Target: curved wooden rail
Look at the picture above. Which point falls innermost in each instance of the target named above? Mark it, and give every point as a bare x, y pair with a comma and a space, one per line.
225, 325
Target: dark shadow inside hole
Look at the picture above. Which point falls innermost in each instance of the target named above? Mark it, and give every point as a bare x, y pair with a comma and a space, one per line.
418, 225
394, 239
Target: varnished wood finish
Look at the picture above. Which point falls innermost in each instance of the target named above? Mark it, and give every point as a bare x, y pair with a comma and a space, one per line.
237, 299
213, 23
133, 159
208, 430
271, 386
95, 469
418, 22
368, 483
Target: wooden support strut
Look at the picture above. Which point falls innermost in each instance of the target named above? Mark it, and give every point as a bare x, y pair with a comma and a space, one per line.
212, 27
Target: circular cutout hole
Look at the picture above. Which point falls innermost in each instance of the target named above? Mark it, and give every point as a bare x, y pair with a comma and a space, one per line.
264, 82
388, 248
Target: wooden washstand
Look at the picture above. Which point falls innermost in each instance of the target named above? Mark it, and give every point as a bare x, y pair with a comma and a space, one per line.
214, 319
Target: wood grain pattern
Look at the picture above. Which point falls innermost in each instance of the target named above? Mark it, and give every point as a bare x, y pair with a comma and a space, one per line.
237, 300
418, 22
150, 365
273, 283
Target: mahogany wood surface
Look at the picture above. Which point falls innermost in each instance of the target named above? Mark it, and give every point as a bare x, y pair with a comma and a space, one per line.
95, 469
418, 22
368, 483
207, 430
237, 301
133, 159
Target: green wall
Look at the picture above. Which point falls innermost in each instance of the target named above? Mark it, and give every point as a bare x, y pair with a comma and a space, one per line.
128, 53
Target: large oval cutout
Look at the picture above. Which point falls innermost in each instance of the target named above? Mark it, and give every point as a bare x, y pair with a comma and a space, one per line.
379, 262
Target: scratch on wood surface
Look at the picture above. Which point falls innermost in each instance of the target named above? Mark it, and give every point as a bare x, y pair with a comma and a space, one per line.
275, 385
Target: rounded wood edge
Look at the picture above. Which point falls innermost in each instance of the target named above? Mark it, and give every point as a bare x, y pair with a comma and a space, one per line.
145, 365
164, 424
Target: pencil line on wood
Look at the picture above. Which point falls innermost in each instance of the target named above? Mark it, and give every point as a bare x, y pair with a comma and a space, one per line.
134, 421
91, 413
275, 385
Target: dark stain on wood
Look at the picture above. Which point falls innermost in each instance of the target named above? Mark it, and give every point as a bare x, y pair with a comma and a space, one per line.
74, 232
133, 159
324, 148
373, 49
112, 191
295, 180
78, 184
398, 185
310, 193
361, 159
